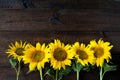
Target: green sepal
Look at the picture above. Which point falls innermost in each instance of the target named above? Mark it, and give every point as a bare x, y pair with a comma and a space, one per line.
109, 67
74, 67
13, 62
77, 66
28, 72
86, 68
51, 73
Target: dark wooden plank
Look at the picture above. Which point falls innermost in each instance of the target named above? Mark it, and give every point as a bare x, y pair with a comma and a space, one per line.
73, 36
24, 13
19, 19
47, 36
19, 4
89, 16
25, 26
13, 4
91, 20
72, 20
80, 4
85, 27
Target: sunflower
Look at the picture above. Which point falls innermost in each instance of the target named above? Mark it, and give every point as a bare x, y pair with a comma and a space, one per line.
36, 56
101, 51
61, 55
16, 50
83, 54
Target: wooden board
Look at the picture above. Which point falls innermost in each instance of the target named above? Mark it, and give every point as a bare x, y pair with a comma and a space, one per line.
34, 25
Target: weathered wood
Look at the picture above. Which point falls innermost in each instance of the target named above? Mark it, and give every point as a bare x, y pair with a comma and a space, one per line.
81, 4
34, 25
71, 20
23, 19
13, 4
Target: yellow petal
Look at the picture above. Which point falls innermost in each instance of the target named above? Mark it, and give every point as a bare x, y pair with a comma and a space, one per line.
32, 66
38, 46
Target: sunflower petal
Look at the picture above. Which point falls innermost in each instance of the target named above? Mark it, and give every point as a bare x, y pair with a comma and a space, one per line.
32, 66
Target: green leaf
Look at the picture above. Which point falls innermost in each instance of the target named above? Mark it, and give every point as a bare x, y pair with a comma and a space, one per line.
63, 72
109, 67
51, 73
13, 62
79, 66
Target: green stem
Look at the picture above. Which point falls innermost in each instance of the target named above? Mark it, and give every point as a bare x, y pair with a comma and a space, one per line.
18, 71
77, 74
41, 76
17, 78
78, 67
101, 73
56, 76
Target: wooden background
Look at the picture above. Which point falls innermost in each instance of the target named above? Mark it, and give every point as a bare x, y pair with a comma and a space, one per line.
68, 21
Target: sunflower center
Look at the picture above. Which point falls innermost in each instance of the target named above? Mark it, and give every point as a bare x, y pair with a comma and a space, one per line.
98, 52
60, 54
19, 51
82, 54
38, 56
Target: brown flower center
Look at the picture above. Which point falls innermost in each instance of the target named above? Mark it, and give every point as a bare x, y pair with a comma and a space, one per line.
19, 51
60, 54
98, 52
82, 54
37, 56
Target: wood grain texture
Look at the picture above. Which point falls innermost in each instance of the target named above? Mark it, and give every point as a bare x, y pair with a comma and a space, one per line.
71, 20
34, 25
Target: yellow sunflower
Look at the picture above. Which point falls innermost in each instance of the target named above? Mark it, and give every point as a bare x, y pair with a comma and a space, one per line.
83, 53
60, 55
16, 50
36, 56
101, 51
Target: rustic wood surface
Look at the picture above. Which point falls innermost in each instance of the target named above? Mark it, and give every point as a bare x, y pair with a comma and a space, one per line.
41, 25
